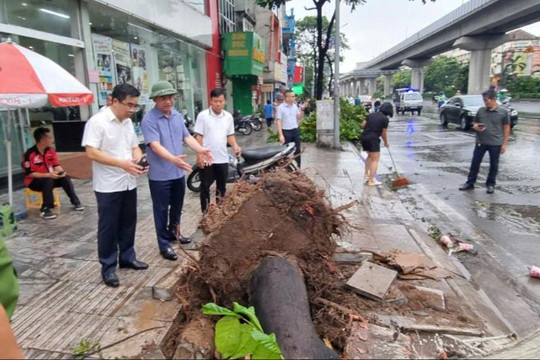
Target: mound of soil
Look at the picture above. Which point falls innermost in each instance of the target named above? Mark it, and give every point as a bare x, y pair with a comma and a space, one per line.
284, 214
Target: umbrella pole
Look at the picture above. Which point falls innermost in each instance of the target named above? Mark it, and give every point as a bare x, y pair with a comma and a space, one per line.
8, 151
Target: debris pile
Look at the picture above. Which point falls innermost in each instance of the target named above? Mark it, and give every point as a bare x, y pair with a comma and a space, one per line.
286, 215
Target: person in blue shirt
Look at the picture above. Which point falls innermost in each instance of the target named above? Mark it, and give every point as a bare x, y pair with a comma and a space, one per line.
164, 131
269, 113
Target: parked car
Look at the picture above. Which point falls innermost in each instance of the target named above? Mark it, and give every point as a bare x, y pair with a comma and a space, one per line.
365, 100
409, 101
462, 109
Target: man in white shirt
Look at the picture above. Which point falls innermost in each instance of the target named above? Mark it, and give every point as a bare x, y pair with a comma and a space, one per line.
288, 117
214, 128
111, 142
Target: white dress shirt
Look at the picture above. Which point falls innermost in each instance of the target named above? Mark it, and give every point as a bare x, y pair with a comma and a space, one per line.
115, 138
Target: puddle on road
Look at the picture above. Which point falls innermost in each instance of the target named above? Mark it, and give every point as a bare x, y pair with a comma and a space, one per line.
519, 219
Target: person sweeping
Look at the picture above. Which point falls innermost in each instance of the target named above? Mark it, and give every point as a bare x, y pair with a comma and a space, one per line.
375, 126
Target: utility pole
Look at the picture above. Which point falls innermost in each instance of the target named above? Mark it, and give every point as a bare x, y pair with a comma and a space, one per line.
337, 143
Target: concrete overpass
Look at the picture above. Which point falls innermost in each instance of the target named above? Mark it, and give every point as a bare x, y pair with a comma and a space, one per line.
477, 26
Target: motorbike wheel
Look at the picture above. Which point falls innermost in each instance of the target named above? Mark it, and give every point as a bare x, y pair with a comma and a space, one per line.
245, 130
194, 180
256, 124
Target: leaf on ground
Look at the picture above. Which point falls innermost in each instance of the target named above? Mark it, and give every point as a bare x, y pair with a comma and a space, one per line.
228, 333
213, 309
249, 313
268, 347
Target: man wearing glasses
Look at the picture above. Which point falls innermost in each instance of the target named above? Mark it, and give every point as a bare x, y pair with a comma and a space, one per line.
111, 142
164, 131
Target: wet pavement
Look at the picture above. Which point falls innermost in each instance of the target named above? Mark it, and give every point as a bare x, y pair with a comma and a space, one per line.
505, 226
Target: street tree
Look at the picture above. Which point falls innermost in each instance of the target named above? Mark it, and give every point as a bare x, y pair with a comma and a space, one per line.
441, 74
322, 46
402, 79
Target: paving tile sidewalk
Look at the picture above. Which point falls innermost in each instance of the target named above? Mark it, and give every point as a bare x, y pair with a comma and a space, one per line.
63, 299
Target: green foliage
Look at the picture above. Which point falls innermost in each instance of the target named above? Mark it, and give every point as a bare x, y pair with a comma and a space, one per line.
441, 73
402, 79
308, 128
84, 348
239, 333
525, 87
461, 82
350, 121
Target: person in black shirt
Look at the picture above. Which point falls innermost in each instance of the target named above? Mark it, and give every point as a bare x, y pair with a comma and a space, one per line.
375, 126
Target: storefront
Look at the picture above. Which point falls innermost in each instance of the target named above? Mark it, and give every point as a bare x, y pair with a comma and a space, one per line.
104, 43
244, 60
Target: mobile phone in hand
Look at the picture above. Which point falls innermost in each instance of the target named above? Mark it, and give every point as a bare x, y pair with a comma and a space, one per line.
481, 126
61, 173
143, 162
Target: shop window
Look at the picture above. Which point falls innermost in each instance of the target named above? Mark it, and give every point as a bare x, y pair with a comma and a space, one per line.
127, 50
58, 17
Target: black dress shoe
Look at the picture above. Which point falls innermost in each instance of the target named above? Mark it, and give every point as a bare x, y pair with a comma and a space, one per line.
490, 189
466, 186
135, 265
184, 240
169, 254
111, 279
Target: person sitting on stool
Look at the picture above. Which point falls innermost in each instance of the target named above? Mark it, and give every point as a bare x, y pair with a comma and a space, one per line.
44, 173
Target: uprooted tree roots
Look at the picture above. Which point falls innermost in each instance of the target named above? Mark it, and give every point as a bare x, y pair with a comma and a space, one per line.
284, 214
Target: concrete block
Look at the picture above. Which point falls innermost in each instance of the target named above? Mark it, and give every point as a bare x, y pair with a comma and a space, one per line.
372, 280
376, 342
351, 258
433, 298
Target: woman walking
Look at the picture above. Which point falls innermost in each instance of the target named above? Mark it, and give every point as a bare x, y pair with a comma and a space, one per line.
375, 126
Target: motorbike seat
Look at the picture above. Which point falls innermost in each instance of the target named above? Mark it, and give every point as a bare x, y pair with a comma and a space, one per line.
262, 153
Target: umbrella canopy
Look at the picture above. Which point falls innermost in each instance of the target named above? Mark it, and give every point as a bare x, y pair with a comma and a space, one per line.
30, 80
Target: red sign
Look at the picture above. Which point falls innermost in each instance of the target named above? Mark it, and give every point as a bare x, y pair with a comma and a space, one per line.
298, 74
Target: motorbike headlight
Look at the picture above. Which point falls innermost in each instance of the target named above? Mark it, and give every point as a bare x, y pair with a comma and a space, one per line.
513, 113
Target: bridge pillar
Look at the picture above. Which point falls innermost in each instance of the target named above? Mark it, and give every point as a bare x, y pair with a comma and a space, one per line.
371, 86
480, 63
361, 86
388, 78
417, 73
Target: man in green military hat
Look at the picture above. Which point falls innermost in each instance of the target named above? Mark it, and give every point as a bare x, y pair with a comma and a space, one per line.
164, 130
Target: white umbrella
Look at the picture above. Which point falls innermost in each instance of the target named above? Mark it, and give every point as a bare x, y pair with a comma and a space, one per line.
30, 80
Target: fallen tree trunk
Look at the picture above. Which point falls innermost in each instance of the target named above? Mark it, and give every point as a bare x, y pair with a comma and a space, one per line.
279, 295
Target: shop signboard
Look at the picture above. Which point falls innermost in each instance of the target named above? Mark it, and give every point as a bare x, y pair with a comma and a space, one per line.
244, 53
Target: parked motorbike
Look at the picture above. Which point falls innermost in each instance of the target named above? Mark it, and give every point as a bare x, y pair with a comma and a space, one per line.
241, 123
256, 161
256, 122
189, 124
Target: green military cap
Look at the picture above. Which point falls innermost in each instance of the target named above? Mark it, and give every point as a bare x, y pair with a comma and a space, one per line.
162, 88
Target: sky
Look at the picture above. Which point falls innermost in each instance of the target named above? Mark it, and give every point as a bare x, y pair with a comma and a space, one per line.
380, 24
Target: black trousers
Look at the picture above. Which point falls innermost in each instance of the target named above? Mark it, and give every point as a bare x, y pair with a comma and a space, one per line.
209, 174
478, 154
293, 135
117, 220
167, 203
46, 186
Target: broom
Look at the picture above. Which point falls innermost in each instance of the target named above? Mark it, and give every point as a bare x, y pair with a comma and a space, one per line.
400, 180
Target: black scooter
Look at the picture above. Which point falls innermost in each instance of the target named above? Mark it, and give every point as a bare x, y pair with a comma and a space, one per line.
256, 161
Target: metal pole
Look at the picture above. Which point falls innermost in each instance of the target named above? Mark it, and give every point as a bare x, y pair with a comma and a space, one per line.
8, 152
337, 143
